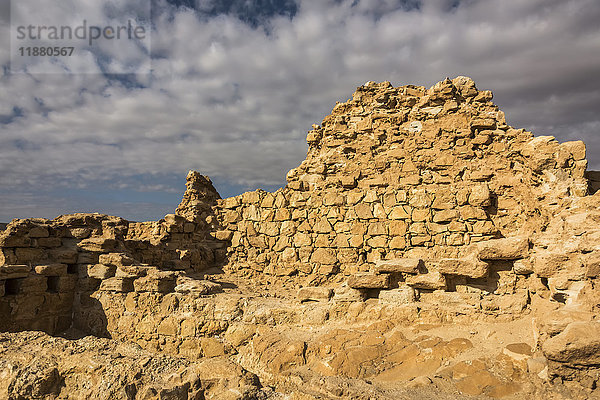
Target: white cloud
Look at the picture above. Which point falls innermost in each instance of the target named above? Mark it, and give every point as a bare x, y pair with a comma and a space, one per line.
235, 102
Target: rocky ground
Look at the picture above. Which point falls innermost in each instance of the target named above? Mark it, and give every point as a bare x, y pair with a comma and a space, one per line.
281, 348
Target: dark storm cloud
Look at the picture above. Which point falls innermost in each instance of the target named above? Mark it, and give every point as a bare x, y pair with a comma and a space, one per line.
234, 94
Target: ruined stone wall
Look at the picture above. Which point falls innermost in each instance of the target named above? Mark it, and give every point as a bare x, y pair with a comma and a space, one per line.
51, 270
403, 171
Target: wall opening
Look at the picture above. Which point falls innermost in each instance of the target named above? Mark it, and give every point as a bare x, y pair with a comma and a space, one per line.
12, 286
53, 284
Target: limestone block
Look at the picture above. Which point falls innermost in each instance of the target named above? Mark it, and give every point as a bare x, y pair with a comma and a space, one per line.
363, 211
65, 256
484, 228
547, 264
419, 240
523, 266
420, 199
483, 123
97, 244
14, 271
402, 295
15, 241
201, 287
397, 242
314, 293
51, 269
323, 256
445, 216
67, 284
117, 285
29, 255
577, 345
377, 242
369, 281
503, 249
49, 242
420, 215
115, 259
79, 232
347, 294
405, 265
132, 271
101, 271
322, 226
470, 267
211, 347
168, 326
34, 284
231, 202
155, 283
470, 212
223, 235
480, 196
592, 264
430, 281
575, 148
7, 256
38, 232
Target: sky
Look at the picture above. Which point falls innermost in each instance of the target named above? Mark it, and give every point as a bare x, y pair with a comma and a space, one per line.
230, 88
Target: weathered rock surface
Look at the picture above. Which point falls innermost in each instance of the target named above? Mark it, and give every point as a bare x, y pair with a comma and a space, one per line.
37, 366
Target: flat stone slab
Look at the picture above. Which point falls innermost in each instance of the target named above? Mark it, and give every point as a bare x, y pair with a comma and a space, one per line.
101, 271
117, 285
472, 268
430, 281
578, 344
51, 269
403, 295
404, 265
14, 271
503, 249
314, 293
369, 281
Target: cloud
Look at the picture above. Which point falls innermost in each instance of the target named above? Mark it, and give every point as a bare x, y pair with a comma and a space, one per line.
234, 98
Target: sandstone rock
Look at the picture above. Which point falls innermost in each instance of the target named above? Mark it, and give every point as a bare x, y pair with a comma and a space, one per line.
431, 281
503, 249
116, 259
14, 271
523, 267
101, 271
471, 267
402, 295
97, 244
117, 285
344, 293
155, 283
547, 264
314, 293
201, 287
406, 265
51, 269
369, 281
577, 345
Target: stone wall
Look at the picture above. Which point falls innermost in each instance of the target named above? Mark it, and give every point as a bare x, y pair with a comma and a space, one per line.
400, 171
51, 269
